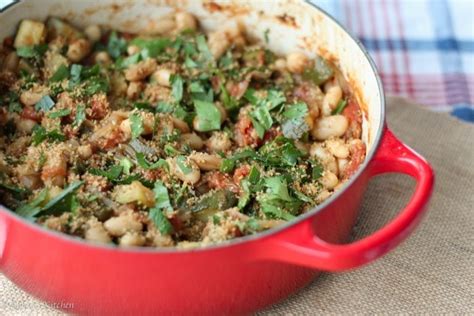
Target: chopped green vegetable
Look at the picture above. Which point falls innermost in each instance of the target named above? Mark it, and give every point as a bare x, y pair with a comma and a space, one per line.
44, 104
295, 124
40, 134
80, 115
59, 113
151, 48
321, 72
183, 165
162, 203
265, 35
203, 48
262, 116
177, 87
113, 173
136, 124
278, 187
61, 73
209, 116
142, 162
340, 107
32, 51
227, 165
126, 165
116, 45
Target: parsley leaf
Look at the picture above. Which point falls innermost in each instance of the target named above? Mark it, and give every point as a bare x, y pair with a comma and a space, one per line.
44, 104
177, 87
142, 162
295, 124
116, 45
320, 73
59, 113
183, 165
278, 187
265, 35
31, 209
113, 173
32, 51
341, 105
151, 48
162, 203
262, 115
61, 73
208, 115
40, 134
80, 115
126, 165
203, 48
136, 124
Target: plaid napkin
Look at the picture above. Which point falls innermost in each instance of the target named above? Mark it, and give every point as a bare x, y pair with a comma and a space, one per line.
424, 49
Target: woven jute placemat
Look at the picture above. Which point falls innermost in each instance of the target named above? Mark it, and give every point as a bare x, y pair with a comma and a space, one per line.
431, 273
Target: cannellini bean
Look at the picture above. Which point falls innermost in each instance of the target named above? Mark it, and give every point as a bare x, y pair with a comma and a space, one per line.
280, 64
85, 151
97, 233
134, 192
180, 124
102, 58
93, 33
55, 168
338, 148
331, 98
329, 180
132, 239
219, 141
188, 176
31, 97
134, 89
125, 222
162, 77
141, 70
163, 25
218, 43
323, 195
193, 140
341, 165
324, 156
10, 62
24, 125
185, 21
132, 50
78, 49
205, 161
297, 62
31, 181
330, 126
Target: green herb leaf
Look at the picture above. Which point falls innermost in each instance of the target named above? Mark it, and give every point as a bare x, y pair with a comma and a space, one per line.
80, 115
208, 115
44, 104
116, 45
278, 187
316, 169
203, 48
162, 203
32, 208
32, 51
144, 106
96, 85
183, 165
61, 73
276, 211
265, 35
151, 48
254, 175
60, 203
177, 87
321, 72
59, 113
40, 134
126, 165
227, 165
295, 124
123, 63
297, 111
136, 124
142, 162
75, 73
262, 115
113, 173
341, 105
17, 192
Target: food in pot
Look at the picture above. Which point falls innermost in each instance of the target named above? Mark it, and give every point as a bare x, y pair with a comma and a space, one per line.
180, 138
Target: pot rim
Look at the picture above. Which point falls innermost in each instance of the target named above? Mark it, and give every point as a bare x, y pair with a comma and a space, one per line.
249, 238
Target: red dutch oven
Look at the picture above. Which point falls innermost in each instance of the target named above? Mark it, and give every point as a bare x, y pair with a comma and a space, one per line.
242, 275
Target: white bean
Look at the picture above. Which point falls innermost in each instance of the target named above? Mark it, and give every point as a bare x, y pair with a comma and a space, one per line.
132, 239
102, 58
25, 125
341, 165
93, 33
218, 43
338, 148
31, 97
297, 62
162, 77
120, 225
219, 141
97, 233
132, 50
78, 49
141, 70
330, 126
85, 151
324, 156
329, 180
280, 64
331, 99
185, 21
134, 89
180, 124
205, 161
193, 140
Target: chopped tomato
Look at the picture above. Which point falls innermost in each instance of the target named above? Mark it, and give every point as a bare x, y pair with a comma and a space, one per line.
354, 116
357, 150
219, 180
245, 133
240, 173
30, 113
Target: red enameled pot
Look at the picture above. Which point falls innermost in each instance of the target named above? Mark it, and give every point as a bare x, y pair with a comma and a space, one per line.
242, 275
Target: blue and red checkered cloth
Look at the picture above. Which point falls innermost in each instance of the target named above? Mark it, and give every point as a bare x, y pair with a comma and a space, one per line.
424, 49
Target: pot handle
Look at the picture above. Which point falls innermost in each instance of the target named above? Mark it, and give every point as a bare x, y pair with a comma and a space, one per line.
307, 249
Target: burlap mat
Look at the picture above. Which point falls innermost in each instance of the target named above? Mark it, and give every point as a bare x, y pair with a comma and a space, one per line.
431, 273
